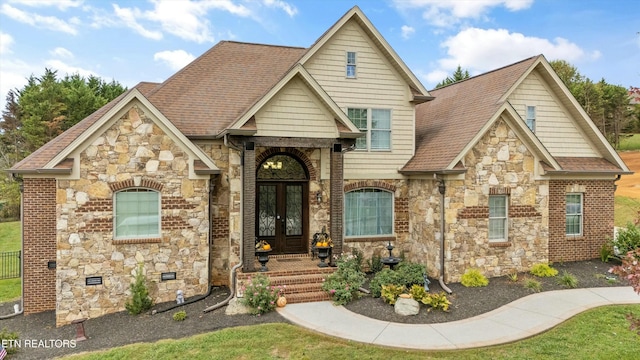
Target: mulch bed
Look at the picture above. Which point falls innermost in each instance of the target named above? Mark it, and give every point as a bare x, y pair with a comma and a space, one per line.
120, 329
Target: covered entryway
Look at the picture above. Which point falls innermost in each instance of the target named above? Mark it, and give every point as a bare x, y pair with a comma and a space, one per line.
282, 203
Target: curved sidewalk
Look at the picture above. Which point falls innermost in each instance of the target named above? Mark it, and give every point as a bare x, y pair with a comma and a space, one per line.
520, 319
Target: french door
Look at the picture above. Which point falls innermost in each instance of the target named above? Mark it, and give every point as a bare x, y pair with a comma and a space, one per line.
281, 215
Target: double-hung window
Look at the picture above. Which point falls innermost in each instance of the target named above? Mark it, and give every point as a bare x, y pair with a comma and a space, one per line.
136, 214
498, 212
531, 118
376, 123
368, 212
574, 214
351, 64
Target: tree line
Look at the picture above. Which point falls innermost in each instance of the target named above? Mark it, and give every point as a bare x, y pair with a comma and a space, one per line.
45, 107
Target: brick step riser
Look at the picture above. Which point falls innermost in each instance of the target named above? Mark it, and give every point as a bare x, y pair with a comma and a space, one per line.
301, 289
307, 297
297, 281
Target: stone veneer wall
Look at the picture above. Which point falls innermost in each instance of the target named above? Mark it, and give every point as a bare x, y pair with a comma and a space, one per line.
39, 247
499, 164
598, 215
134, 151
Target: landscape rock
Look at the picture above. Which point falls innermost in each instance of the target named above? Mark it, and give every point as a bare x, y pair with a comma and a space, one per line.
406, 307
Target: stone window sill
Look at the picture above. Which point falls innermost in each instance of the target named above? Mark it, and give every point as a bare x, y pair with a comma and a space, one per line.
370, 239
500, 244
137, 241
574, 238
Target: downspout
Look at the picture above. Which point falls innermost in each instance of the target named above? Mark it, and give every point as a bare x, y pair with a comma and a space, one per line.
442, 189
210, 241
232, 275
21, 309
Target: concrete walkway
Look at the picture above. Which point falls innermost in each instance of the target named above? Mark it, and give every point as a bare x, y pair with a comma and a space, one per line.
520, 319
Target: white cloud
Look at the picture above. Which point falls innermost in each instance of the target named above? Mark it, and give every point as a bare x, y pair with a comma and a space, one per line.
33, 19
129, 18
6, 41
176, 59
288, 8
186, 20
61, 52
407, 31
66, 69
13, 75
444, 13
60, 4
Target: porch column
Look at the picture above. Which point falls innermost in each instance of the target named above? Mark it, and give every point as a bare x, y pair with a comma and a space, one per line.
249, 206
337, 194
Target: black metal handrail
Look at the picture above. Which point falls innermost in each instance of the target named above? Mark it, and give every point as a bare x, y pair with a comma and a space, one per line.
10, 264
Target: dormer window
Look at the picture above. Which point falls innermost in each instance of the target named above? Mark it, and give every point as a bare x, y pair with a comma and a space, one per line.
351, 64
531, 118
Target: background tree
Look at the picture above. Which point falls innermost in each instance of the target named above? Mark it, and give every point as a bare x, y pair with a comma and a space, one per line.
457, 75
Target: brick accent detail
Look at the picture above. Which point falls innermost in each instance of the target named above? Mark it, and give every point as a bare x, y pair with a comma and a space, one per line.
523, 211
598, 215
39, 236
313, 174
401, 208
370, 184
337, 200
174, 223
175, 202
137, 241
129, 183
482, 212
220, 227
95, 205
249, 210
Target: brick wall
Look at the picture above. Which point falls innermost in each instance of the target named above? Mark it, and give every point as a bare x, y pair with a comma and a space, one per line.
598, 212
39, 199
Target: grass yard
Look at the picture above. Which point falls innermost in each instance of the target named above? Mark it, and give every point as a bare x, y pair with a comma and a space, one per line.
630, 143
601, 333
626, 210
10, 241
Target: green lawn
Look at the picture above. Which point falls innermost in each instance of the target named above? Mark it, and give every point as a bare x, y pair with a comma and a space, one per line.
626, 210
10, 241
601, 333
630, 143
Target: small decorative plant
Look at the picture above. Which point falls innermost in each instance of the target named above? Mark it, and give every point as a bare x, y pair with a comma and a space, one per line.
263, 245
8, 336
606, 251
628, 239
391, 292
473, 278
375, 264
418, 292
259, 295
437, 301
140, 300
344, 283
543, 270
533, 285
180, 315
568, 280
405, 273
513, 276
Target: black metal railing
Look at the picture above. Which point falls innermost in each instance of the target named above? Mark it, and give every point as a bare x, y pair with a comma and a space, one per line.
10, 264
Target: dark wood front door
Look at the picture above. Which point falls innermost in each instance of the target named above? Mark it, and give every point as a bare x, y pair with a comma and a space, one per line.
281, 215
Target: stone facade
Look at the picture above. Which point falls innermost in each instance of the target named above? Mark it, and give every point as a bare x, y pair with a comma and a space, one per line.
134, 152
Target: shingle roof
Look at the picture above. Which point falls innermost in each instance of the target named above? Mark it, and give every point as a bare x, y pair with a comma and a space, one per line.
445, 125
214, 90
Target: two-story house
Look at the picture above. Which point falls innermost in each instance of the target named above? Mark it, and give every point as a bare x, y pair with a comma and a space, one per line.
258, 142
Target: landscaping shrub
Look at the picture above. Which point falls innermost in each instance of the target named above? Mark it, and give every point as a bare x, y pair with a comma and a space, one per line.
630, 269
418, 292
628, 239
543, 270
140, 300
533, 285
375, 264
568, 280
437, 301
344, 283
9, 335
405, 273
180, 315
259, 295
473, 278
606, 251
390, 293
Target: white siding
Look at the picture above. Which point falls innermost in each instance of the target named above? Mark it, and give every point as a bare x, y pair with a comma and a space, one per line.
377, 85
295, 112
555, 127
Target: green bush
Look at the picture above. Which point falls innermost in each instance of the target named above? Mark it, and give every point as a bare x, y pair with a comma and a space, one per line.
543, 270
606, 251
375, 264
418, 292
533, 285
390, 293
180, 315
140, 300
405, 273
473, 278
628, 239
568, 280
259, 295
437, 301
9, 335
343, 285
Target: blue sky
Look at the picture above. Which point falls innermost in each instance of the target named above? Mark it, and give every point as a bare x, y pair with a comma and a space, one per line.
133, 41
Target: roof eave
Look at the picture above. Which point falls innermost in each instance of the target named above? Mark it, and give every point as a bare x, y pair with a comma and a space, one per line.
420, 99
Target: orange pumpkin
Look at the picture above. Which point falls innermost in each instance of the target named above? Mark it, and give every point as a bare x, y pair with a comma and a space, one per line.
266, 247
282, 301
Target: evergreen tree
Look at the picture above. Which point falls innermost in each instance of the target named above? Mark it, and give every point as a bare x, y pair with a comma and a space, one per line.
457, 75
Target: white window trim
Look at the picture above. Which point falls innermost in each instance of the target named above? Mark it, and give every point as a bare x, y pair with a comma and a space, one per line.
581, 214
526, 117
115, 205
369, 128
347, 64
505, 237
393, 215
